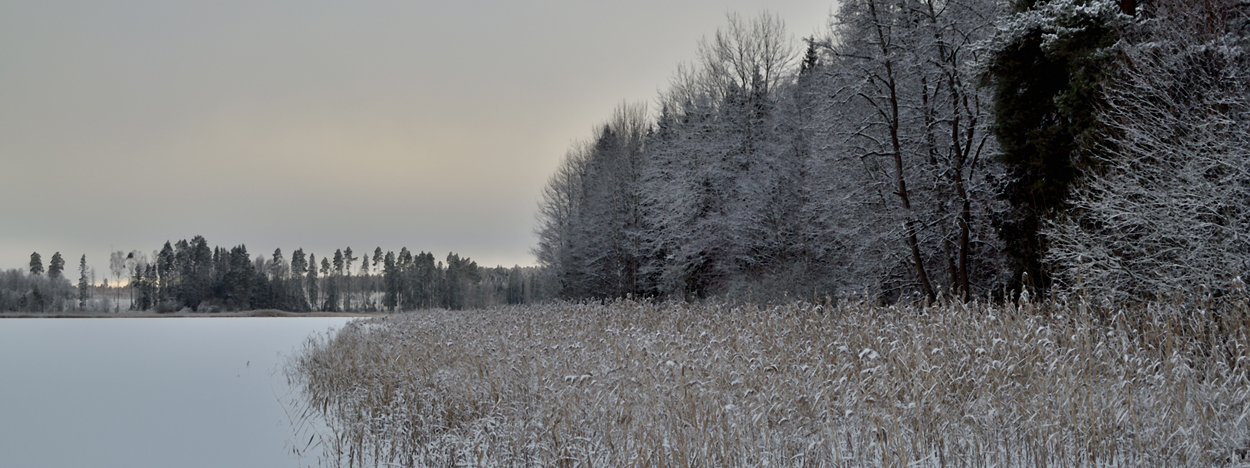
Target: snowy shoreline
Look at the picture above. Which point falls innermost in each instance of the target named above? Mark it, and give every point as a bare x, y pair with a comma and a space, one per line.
242, 314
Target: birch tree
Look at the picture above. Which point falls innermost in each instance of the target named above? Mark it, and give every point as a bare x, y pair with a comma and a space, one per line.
560, 205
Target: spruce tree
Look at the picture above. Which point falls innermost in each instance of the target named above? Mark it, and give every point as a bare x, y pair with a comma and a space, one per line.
312, 281
299, 269
1047, 70
82, 282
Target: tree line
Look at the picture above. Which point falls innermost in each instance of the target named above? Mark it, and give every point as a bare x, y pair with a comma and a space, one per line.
191, 276
965, 148
44, 290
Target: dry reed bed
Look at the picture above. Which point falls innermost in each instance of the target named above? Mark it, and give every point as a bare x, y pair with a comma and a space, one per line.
676, 385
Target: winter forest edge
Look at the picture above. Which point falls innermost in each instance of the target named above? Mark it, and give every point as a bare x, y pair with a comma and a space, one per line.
962, 148
969, 149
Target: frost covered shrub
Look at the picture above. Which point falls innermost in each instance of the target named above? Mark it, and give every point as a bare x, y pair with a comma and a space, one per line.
645, 384
1169, 208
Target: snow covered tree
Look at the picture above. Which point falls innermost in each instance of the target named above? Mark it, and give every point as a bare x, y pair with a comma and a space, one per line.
117, 266
277, 266
864, 166
557, 211
715, 179
603, 234
906, 142
1167, 207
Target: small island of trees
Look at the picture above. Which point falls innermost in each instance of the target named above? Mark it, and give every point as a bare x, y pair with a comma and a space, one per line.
190, 276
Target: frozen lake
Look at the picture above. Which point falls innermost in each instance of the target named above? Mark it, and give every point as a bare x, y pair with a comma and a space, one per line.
149, 392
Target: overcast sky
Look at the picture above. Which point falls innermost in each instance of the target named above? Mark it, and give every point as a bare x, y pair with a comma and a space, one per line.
322, 125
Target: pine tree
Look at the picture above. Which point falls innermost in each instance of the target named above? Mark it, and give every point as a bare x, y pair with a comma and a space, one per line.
299, 270
56, 266
331, 295
390, 278
348, 260
403, 267
36, 264
278, 295
238, 280
165, 270
201, 272
340, 266
312, 282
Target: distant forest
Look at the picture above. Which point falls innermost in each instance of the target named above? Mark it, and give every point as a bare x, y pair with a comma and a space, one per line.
962, 148
191, 276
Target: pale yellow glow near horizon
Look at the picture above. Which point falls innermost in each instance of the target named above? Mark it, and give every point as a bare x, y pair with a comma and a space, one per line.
292, 124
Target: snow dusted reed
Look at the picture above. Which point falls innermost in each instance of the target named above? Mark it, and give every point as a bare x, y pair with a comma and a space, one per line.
644, 384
